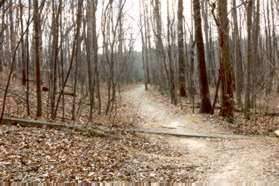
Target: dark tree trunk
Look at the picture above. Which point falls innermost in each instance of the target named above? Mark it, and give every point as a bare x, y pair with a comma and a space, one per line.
181, 57
23, 51
206, 106
37, 31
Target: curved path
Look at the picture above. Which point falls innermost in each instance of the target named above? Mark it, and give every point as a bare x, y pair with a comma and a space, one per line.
223, 159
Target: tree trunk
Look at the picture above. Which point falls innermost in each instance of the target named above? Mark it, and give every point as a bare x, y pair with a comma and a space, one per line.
23, 51
2, 39
227, 108
96, 58
181, 57
37, 32
206, 106
172, 86
249, 59
28, 60
54, 56
89, 47
237, 56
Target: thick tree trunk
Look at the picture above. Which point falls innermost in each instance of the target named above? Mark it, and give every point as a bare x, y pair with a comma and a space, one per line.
206, 106
227, 108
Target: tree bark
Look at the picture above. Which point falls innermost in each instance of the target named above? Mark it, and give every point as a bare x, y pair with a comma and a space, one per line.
227, 108
172, 85
249, 60
206, 106
54, 57
37, 37
237, 56
181, 57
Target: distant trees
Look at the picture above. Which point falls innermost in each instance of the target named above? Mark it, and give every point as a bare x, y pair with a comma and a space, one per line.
61, 47
78, 53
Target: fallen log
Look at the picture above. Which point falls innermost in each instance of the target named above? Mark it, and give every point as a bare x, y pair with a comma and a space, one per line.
95, 130
163, 132
65, 93
89, 129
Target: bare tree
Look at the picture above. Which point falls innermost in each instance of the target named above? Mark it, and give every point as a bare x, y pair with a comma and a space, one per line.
204, 89
226, 73
172, 84
237, 57
249, 59
54, 56
181, 56
38, 42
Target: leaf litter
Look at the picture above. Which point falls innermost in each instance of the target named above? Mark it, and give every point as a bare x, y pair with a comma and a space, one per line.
36, 154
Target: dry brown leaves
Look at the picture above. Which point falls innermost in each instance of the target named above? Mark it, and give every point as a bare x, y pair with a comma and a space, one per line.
32, 154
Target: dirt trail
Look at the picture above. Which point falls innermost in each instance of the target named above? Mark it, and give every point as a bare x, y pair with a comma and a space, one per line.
223, 159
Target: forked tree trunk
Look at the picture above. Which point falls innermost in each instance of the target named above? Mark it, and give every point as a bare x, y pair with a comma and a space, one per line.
54, 56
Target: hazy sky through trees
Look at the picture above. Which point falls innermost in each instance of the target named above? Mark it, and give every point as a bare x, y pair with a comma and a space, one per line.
132, 10
132, 18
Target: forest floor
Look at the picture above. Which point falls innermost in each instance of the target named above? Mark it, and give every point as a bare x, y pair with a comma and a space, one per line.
41, 154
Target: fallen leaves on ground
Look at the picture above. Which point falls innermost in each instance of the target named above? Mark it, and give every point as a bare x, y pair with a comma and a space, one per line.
32, 154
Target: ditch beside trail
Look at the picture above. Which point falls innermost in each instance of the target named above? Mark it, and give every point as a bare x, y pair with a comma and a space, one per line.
231, 159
